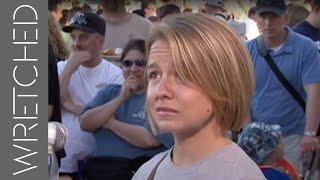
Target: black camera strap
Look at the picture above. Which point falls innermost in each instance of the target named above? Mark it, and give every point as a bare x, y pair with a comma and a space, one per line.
284, 81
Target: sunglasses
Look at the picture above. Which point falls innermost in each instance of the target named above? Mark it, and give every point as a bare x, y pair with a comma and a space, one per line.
129, 62
79, 19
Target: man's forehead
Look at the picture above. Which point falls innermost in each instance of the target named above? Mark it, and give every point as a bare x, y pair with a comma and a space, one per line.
80, 32
272, 14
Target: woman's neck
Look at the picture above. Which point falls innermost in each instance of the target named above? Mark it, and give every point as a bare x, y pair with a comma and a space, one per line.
196, 148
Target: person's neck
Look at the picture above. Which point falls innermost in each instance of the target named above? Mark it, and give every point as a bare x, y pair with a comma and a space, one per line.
119, 16
196, 148
277, 41
314, 20
92, 62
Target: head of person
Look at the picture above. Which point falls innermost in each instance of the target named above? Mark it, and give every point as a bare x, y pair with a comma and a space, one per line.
252, 13
148, 7
113, 6
197, 76
168, 10
315, 5
271, 17
262, 142
214, 6
58, 45
133, 61
296, 13
87, 32
54, 6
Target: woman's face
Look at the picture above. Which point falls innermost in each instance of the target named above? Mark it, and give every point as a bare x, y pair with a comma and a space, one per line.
175, 106
133, 66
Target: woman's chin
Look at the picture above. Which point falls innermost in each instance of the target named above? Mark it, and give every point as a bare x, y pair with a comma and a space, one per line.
166, 127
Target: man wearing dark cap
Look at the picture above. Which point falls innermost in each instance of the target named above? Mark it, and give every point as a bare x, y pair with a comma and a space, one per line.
298, 60
81, 76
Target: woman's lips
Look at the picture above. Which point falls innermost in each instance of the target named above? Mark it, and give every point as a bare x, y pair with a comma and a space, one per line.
166, 111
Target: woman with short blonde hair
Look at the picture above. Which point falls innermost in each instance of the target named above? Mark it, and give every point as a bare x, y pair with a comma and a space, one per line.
200, 84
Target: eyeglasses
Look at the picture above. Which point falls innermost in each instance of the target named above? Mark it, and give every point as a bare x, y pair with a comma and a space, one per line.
79, 18
129, 62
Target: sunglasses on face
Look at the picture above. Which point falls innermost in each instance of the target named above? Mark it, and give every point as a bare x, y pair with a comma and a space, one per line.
129, 62
79, 19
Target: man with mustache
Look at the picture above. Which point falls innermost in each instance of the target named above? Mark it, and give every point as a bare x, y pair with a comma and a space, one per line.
81, 76
297, 58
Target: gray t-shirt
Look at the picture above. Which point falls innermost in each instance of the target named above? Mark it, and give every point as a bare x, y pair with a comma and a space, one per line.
118, 34
229, 163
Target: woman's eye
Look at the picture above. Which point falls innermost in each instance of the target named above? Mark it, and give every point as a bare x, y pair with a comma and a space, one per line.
153, 75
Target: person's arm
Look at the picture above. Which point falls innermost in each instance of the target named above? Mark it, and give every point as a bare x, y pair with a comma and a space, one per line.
75, 59
133, 134
95, 118
309, 143
70, 106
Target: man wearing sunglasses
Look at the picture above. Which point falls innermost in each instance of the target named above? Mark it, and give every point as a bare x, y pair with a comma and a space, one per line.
81, 76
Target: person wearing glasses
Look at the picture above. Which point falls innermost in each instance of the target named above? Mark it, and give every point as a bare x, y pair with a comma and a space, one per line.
117, 119
81, 76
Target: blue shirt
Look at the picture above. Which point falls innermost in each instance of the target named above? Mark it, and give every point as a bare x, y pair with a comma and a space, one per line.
132, 112
299, 61
306, 29
274, 174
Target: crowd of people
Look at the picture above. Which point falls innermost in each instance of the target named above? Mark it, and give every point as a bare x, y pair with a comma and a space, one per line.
193, 96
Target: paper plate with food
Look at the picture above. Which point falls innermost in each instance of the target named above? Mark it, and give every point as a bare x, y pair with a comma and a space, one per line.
112, 53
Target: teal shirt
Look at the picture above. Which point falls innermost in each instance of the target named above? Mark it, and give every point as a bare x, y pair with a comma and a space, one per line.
131, 112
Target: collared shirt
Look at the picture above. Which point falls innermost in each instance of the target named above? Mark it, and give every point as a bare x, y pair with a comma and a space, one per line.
299, 61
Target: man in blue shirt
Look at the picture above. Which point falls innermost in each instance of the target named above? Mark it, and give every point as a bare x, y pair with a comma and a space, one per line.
298, 59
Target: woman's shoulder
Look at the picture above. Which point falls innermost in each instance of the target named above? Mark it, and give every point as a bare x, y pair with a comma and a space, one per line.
145, 170
238, 163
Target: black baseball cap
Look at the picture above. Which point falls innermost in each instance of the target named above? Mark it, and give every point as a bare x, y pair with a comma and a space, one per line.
87, 22
275, 6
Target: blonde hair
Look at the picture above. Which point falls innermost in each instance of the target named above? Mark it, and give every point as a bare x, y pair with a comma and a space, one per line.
210, 54
58, 45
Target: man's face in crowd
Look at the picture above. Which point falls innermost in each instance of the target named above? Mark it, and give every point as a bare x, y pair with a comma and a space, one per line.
271, 24
84, 41
150, 10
